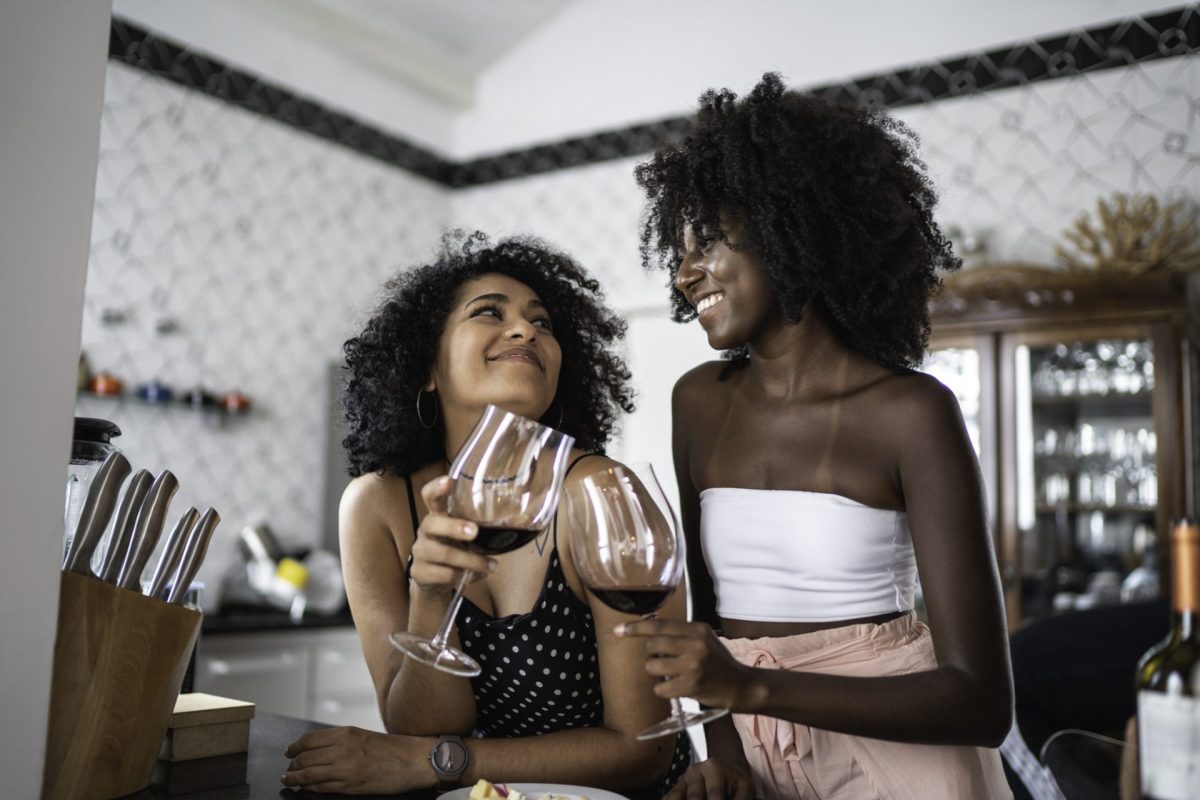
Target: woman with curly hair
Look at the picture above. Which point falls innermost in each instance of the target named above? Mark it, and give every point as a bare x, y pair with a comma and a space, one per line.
519, 325
818, 472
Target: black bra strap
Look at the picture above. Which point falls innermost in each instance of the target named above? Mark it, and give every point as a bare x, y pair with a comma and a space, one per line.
412, 508
570, 467
412, 504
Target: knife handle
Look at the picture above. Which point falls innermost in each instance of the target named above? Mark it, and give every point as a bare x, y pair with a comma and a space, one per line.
147, 529
193, 554
122, 534
97, 508
168, 562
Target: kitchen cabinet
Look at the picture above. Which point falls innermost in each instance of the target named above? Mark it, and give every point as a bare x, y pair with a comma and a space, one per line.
316, 674
1079, 394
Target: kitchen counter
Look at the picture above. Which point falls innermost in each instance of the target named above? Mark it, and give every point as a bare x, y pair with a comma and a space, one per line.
270, 734
257, 621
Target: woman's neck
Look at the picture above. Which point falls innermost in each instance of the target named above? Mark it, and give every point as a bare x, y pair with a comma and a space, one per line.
459, 424
791, 360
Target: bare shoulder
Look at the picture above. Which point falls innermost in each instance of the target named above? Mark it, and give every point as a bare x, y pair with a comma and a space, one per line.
925, 404
374, 503
372, 492
917, 390
594, 463
699, 385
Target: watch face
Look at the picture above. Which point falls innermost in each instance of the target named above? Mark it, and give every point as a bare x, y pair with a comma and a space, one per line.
450, 757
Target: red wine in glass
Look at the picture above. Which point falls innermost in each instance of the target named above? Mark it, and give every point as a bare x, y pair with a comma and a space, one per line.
493, 540
640, 600
507, 480
628, 550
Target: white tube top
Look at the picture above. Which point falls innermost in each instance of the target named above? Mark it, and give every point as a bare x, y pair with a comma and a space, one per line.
792, 556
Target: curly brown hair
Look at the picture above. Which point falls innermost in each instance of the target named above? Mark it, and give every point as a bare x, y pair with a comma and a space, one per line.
390, 360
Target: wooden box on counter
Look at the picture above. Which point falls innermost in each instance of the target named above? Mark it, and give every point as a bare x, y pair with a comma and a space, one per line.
204, 725
119, 660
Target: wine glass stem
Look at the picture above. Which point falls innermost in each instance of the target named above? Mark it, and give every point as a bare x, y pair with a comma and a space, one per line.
676, 708
443, 635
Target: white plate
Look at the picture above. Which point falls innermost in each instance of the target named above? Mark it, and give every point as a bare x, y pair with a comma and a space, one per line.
535, 790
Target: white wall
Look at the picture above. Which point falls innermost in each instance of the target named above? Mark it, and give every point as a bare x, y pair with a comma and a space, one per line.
51, 83
603, 64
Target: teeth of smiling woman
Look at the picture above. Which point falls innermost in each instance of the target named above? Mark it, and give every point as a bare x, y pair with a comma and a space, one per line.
709, 302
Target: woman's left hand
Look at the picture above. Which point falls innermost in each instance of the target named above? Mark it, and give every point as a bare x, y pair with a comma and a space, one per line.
693, 660
355, 761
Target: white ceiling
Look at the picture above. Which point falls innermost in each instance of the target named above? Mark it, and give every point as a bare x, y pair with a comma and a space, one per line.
435, 46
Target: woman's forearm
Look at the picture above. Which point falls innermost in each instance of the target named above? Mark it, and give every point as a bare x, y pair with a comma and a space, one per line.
723, 742
939, 706
587, 756
421, 700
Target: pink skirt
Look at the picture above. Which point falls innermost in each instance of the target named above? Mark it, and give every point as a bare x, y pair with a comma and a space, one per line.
789, 760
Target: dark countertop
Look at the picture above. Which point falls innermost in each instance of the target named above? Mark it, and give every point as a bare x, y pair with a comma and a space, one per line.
259, 620
270, 734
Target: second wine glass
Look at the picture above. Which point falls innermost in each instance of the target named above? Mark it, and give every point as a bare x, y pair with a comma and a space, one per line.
627, 547
508, 477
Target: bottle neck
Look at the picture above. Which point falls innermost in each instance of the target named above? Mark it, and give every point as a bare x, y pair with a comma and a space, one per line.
1186, 625
1185, 579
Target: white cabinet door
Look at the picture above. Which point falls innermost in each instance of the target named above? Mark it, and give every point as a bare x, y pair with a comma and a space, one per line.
356, 709
270, 671
342, 692
316, 674
338, 664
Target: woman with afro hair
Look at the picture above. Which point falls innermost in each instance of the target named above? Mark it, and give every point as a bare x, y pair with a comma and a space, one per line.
818, 471
519, 325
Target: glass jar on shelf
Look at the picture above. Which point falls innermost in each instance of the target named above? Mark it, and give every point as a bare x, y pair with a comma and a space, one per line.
91, 444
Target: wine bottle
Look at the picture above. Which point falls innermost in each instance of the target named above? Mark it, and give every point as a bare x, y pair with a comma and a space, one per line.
1168, 684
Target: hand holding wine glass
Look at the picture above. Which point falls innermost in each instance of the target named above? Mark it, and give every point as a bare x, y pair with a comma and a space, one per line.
627, 548
507, 479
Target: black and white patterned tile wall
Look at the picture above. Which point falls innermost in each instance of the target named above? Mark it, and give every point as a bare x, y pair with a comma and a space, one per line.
264, 244
592, 212
1016, 166
263, 247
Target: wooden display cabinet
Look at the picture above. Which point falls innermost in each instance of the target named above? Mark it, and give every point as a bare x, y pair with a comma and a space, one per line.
1079, 391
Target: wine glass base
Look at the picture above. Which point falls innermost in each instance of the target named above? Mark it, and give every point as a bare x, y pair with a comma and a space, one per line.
446, 659
681, 722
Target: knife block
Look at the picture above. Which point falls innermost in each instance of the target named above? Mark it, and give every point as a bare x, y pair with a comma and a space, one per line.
119, 660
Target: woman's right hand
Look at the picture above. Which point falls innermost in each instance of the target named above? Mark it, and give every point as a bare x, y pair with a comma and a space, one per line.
712, 780
439, 554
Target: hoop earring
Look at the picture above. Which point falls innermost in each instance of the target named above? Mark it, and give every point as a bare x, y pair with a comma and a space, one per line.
560, 418
420, 418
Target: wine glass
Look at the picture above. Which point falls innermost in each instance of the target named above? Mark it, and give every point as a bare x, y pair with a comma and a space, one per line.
508, 477
627, 548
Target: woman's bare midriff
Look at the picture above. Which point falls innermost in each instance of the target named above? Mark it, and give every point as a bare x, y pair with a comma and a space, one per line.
750, 629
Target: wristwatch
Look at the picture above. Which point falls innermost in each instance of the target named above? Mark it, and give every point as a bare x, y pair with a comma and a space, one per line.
449, 758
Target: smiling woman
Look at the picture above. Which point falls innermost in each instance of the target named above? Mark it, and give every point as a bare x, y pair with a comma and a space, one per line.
520, 326
818, 472
391, 364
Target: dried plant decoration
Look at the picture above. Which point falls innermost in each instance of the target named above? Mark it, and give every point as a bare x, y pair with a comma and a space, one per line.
1135, 235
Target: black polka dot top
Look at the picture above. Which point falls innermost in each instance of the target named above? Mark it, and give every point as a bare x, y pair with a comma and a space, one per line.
540, 671
539, 668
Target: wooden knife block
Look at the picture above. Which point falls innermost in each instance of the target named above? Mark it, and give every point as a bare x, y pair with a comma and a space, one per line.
119, 660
